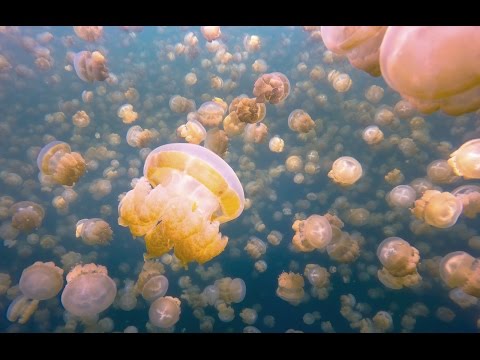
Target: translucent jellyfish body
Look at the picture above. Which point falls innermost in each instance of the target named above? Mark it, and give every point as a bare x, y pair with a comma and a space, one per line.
466, 160
470, 198
345, 171
399, 260
193, 131
41, 281
290, 287
300, 121
272, 88
210, 113
57, 161
187, 192
211, 33
313, 233
89, 290
461, 270
361, 44
248, 110
231, 290
88, 33
155, 288
164, 312
402, 196
138, 137
21, 309
433, 67
438, 209
372, 135
90, 66
27, 216
126, 113
94, 231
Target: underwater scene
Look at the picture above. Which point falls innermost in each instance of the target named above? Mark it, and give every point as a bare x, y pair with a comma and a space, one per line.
239, 179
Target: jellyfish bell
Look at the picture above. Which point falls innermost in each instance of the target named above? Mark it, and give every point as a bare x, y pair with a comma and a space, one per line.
94, 231
313, 233
89, 290
155, 288
164, 312
402, 196
187, 192
211, 33
345, 171
438, 209
466, 160
272, 88
27, 216
41, 281
90, 66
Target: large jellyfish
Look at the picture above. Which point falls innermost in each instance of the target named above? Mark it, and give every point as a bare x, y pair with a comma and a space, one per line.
89, 290
434, 67
63, 166
186, 193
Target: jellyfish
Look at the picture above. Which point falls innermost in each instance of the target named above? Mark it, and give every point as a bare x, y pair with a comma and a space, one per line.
81, 119
57, 161
231, 290
439, 171
273, 88
27, 216
179, 104
90, 66
41, 281
374, 94
299, 121
88, 33
216, 141
248, 110
126, 113
345, 171
210, 113
469, 195
383, 321
461, 270
164, 312
193, 131
138, 137
372, 135
402, 196
317, 276
276, 144
399, 260
211, 33
89, 290
249, 316
290, 287
466, 160
232, 124
313, 233
94, 231
255, 247
255, 133
361, 44
186, 193
21, 309
252, 43
225, 312
438, 209
155, 288
433, 66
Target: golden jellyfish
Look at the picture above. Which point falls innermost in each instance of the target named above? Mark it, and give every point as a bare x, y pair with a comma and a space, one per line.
274, 237
259, 66
211, 33
155, 288
179, 104
249, 316
27, 216
438, 209
193, 131
252, 43
402, 196
21, 309
299, 121
276, 144
248, 110
317, 276
126, 113
41, 281
317, 73
442, 72
63, 166
210, 113
372, 135
225, 312
89, 290
255, 133
461, 270
272, 87
94, 231
439, 171
88, 33
466, 160
470, 197
383, 321
190, 79
341, 82
345, 171
100, 188
294, 163
164, 312
187, 192
399, 260
374, 94
217, 141
290, 287
90, 66
313, 233
361, 44
231, 290
81, 119
138, 137
256, 247
261, 266
232, 124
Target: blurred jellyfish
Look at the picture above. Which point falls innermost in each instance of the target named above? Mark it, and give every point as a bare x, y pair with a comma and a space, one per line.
465, 161
27, 216
439, 171
90, 66
94, 231
211, 33
313, 233
89, 290
439, 65
41, 281
261, 266
249, 316
81, 119
126, 113
88, 33
216, 141
299, 121
179, 104
255, 133
193, 131
138, 137
461, 270
399, 260
438, 209
248, 110
231, 290
345, 171
210, 113
383, 321
255, 247
402, 196
372, 135
187, 192
63, 166
290, 287
252, 43
155, 288
164, 312
272, 87
361, 44
276, 144
21, 309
